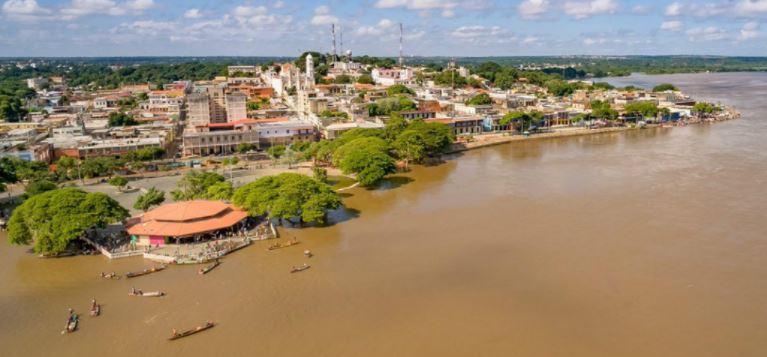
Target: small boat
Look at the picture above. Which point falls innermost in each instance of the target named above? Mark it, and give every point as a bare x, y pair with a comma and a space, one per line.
95, 310
145, 272
140, 293
178, 335
300, 268
72, 322
208, 268
283, 245
111, 275
308, 253
57, 255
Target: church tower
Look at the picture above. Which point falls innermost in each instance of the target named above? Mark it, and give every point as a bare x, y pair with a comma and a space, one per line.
309, 71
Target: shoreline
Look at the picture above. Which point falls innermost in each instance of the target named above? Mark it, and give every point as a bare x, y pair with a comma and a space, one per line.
489, 140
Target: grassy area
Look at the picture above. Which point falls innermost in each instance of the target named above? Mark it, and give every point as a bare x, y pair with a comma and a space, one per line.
340, 181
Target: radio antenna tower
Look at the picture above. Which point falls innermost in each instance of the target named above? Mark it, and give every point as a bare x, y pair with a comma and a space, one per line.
401, 60
341, 34
333, 33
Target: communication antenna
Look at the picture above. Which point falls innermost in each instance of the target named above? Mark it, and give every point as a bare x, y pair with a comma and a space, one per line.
341, 34
401, 60
333, 34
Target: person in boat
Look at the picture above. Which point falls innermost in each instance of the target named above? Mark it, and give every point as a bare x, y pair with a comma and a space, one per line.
93, 304
175, 333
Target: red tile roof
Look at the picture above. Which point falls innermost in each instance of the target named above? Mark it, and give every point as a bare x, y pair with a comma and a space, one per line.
187, 218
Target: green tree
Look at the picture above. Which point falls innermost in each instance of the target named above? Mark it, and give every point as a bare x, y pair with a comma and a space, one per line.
121, 119
287, 196
664, 87
362, 143
37, 187
410, 146
194, 185
399, 89
52, 219
703, 108
320, 174
365, 79
98, 166
437, 137
480, 99
152, 197
602, 110
219, 191
275, 152
243, 148
645, 109
118, 181
394, 126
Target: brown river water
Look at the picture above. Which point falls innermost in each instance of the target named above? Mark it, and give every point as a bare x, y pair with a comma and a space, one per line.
644, 243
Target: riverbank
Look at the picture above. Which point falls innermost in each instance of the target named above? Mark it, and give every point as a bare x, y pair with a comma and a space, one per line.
487, 140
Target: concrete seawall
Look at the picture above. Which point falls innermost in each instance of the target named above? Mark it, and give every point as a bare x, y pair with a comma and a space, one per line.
497, 139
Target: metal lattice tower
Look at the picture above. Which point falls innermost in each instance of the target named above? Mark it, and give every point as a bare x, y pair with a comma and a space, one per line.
401, 60
333, 34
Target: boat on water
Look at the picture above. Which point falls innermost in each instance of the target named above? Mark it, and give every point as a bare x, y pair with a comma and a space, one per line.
111, 275
95, 308
283, 245
178, 335
139, 293
57, 255
145, 271
72, 322
297, 269
208, 268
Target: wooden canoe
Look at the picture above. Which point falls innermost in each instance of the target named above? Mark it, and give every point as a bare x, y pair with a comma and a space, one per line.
208, 268
300, 268
145, 272
147, 294
71, 324
283, 245
178, 335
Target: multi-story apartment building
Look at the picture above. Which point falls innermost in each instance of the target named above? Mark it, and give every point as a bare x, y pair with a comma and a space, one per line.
198, 109
236, 106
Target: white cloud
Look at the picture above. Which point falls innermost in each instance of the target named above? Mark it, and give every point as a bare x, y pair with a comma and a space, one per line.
483, 34
749, 31
24, 8
529, 40
584, 9
278, 4
675, 9
78, 8
193, 14
588, 41
416, 4
322, 16
258, 17
710, 33
751, 7
641, 9
446, 8
533, 9
140, 4
672, 25
147, 27
376, 30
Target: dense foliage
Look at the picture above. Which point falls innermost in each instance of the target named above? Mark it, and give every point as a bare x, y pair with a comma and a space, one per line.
287, 196
121, 119
386, 106
664, 87
152, 197
201, 185
480, 99
54, 218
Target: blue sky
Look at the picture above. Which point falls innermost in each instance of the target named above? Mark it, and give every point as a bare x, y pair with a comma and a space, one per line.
432, 27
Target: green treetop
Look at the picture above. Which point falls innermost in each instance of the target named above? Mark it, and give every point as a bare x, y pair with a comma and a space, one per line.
287, 196
152, 197
54, 218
